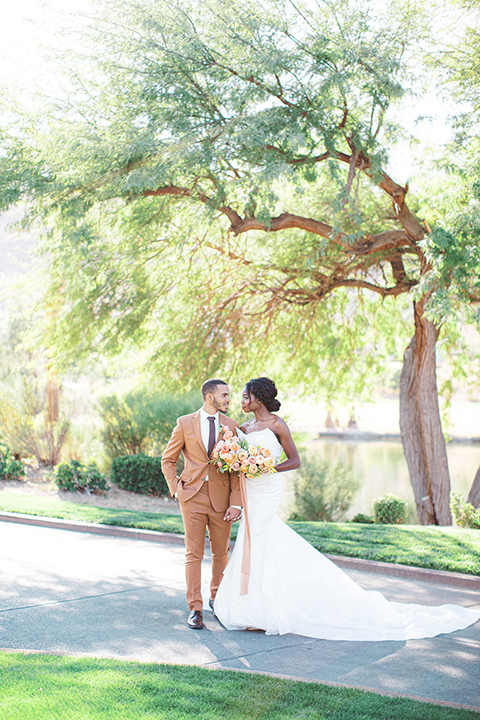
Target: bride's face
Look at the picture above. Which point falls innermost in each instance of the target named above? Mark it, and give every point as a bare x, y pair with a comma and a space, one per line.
249, 402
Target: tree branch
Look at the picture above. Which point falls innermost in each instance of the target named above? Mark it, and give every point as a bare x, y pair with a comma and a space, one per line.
370, 244
412, 225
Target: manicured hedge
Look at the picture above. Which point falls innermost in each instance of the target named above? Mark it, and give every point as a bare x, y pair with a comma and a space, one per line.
390, 509
74, 476
140, 474
10, 469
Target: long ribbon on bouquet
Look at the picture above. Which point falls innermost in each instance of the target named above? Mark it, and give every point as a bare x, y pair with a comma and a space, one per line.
245, 573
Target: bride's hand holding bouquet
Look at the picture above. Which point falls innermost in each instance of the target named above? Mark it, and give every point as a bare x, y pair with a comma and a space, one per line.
234, 454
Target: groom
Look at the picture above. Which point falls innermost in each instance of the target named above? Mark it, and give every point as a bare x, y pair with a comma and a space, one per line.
207, 497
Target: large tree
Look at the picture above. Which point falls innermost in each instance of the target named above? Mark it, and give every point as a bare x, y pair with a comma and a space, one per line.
457, 59
217, 178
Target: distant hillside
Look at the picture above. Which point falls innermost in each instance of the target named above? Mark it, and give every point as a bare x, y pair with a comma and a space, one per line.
15, 248
16, 257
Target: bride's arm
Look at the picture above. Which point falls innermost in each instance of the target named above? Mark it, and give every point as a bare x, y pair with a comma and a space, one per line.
289, 448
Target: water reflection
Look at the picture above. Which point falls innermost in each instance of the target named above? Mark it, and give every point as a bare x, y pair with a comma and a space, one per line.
381, 467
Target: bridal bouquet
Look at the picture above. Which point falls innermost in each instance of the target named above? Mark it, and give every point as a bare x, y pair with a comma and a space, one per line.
234, 454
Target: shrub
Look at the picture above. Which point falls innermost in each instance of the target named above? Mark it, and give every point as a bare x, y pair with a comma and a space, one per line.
390, 509
361, 518
325, 489
10, 469
74, 476
464, 513
31, 418
142, 421
140, 474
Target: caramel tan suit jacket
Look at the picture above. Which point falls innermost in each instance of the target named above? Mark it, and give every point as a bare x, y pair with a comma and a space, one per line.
223, 488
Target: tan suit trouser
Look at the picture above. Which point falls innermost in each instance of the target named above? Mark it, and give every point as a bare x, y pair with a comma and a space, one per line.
198, 514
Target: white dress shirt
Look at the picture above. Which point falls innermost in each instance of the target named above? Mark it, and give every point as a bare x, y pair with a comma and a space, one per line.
205, 430
205, 426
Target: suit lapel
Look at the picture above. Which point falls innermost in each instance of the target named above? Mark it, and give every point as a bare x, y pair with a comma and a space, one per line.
195, 418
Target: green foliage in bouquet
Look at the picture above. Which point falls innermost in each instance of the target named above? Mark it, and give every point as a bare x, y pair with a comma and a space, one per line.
390, 510
464, 513
74, 476
10, 469
140, 474
324, 490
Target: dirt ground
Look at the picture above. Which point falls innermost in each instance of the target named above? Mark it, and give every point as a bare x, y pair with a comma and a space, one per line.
40, 482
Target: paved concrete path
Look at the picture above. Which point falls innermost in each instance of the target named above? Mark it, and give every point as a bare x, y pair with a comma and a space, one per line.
74, 593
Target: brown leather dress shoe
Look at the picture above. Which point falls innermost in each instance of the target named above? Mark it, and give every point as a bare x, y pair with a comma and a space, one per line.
195, 620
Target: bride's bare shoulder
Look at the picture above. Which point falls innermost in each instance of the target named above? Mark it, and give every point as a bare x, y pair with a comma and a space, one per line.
278, 422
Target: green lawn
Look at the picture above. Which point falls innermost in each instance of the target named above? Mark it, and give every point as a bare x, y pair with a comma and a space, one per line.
453, 549
64, 510
59, 688
440, 548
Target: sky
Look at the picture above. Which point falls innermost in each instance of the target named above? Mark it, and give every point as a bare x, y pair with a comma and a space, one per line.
28, 29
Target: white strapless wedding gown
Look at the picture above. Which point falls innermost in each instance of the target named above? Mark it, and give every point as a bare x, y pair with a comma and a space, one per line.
293, 588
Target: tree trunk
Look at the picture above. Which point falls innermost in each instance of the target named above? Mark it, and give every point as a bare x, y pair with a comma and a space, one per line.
420, 425
474, 494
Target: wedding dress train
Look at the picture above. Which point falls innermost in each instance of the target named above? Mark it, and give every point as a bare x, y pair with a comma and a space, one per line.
293, 588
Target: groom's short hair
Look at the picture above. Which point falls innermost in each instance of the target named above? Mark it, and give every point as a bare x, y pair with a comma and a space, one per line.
210, 386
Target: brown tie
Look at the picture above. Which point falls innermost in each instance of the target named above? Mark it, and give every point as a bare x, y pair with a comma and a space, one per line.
211, 435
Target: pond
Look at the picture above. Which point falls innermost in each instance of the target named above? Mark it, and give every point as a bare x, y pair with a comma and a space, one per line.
381, 468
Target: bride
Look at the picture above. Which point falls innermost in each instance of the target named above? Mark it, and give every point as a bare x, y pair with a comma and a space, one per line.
276, 581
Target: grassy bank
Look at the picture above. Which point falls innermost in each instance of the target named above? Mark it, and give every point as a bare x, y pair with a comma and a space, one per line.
438, 548
43, 686
452, 549
64, 510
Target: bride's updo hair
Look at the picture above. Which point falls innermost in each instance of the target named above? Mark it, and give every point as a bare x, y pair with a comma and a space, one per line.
264, 390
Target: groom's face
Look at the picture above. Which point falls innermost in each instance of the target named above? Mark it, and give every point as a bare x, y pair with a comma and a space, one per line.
221, 398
